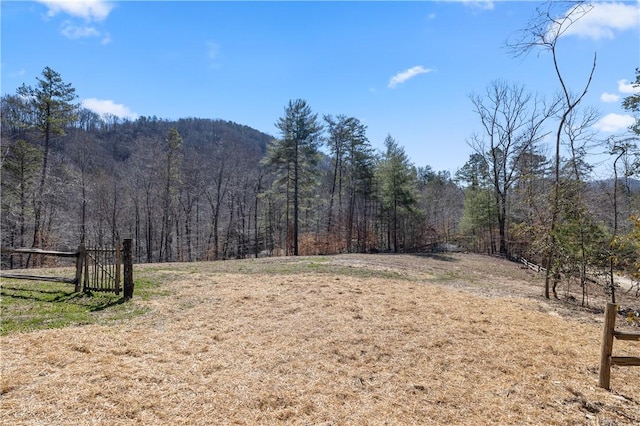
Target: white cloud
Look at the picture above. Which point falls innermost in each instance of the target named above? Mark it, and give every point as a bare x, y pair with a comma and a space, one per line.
105, 106
624, 86
89, 10
403, 76
476, 4
604, 20
75, 32
480, 4
608, 97
613, 123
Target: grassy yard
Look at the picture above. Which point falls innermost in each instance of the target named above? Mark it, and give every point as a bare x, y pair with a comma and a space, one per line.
35, 305
335, 340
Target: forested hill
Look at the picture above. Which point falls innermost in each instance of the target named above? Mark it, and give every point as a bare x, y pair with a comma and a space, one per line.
108, 178
118, 137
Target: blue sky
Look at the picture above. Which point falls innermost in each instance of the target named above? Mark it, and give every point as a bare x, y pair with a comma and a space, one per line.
403, 68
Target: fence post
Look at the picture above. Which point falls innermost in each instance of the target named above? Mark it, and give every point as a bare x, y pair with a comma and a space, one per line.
79, 264
607, 345
128, 268
118, 266
85, 281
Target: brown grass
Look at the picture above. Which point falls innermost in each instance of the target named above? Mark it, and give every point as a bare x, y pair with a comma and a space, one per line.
434, 341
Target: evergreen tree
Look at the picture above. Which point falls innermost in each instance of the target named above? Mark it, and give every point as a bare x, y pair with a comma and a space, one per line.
351, 154
51, 105
360, 164
398, 185
295, 156
478, 219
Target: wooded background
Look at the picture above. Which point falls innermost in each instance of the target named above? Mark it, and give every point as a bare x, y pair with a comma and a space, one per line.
201, 189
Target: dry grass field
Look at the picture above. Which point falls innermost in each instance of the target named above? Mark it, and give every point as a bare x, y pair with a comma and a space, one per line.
450, 339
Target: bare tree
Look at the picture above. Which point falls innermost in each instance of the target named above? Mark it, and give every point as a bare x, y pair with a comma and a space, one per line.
580, 136
543, 33
173, 156
512, 121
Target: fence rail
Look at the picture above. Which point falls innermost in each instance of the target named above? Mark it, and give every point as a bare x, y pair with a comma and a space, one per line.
96, 269
39, 278
606, 358
77, 254
39, 251
531, 265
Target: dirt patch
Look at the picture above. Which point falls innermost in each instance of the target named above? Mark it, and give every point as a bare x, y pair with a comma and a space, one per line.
456, 339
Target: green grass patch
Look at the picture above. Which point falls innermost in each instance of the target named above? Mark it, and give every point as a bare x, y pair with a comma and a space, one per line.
36, 305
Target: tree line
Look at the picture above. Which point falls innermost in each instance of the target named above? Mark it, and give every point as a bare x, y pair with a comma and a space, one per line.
199, 189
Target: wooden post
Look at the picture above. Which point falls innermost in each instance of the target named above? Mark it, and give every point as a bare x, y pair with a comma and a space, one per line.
607, 345
128, 269
85, 283
79, 265
118, 263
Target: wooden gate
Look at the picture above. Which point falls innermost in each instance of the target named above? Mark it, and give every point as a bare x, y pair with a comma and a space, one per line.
101, 269
97, 269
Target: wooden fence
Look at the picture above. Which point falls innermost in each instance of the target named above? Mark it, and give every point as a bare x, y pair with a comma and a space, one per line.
532, 266
609, 333
96, 269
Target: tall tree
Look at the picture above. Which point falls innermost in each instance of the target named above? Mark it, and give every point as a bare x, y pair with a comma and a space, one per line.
512, 122
84, 159
145, 182
398, 184
338, 135
220, 175
360, 166
529, 205
295, 154
191, 192
544, 32
51, 104
173, 157
579, 136
478, 218
349, 147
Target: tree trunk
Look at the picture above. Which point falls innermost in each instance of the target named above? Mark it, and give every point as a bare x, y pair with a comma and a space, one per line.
295, 201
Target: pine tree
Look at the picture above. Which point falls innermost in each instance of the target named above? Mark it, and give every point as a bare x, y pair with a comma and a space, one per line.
398, 184
51, 105
295, 156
